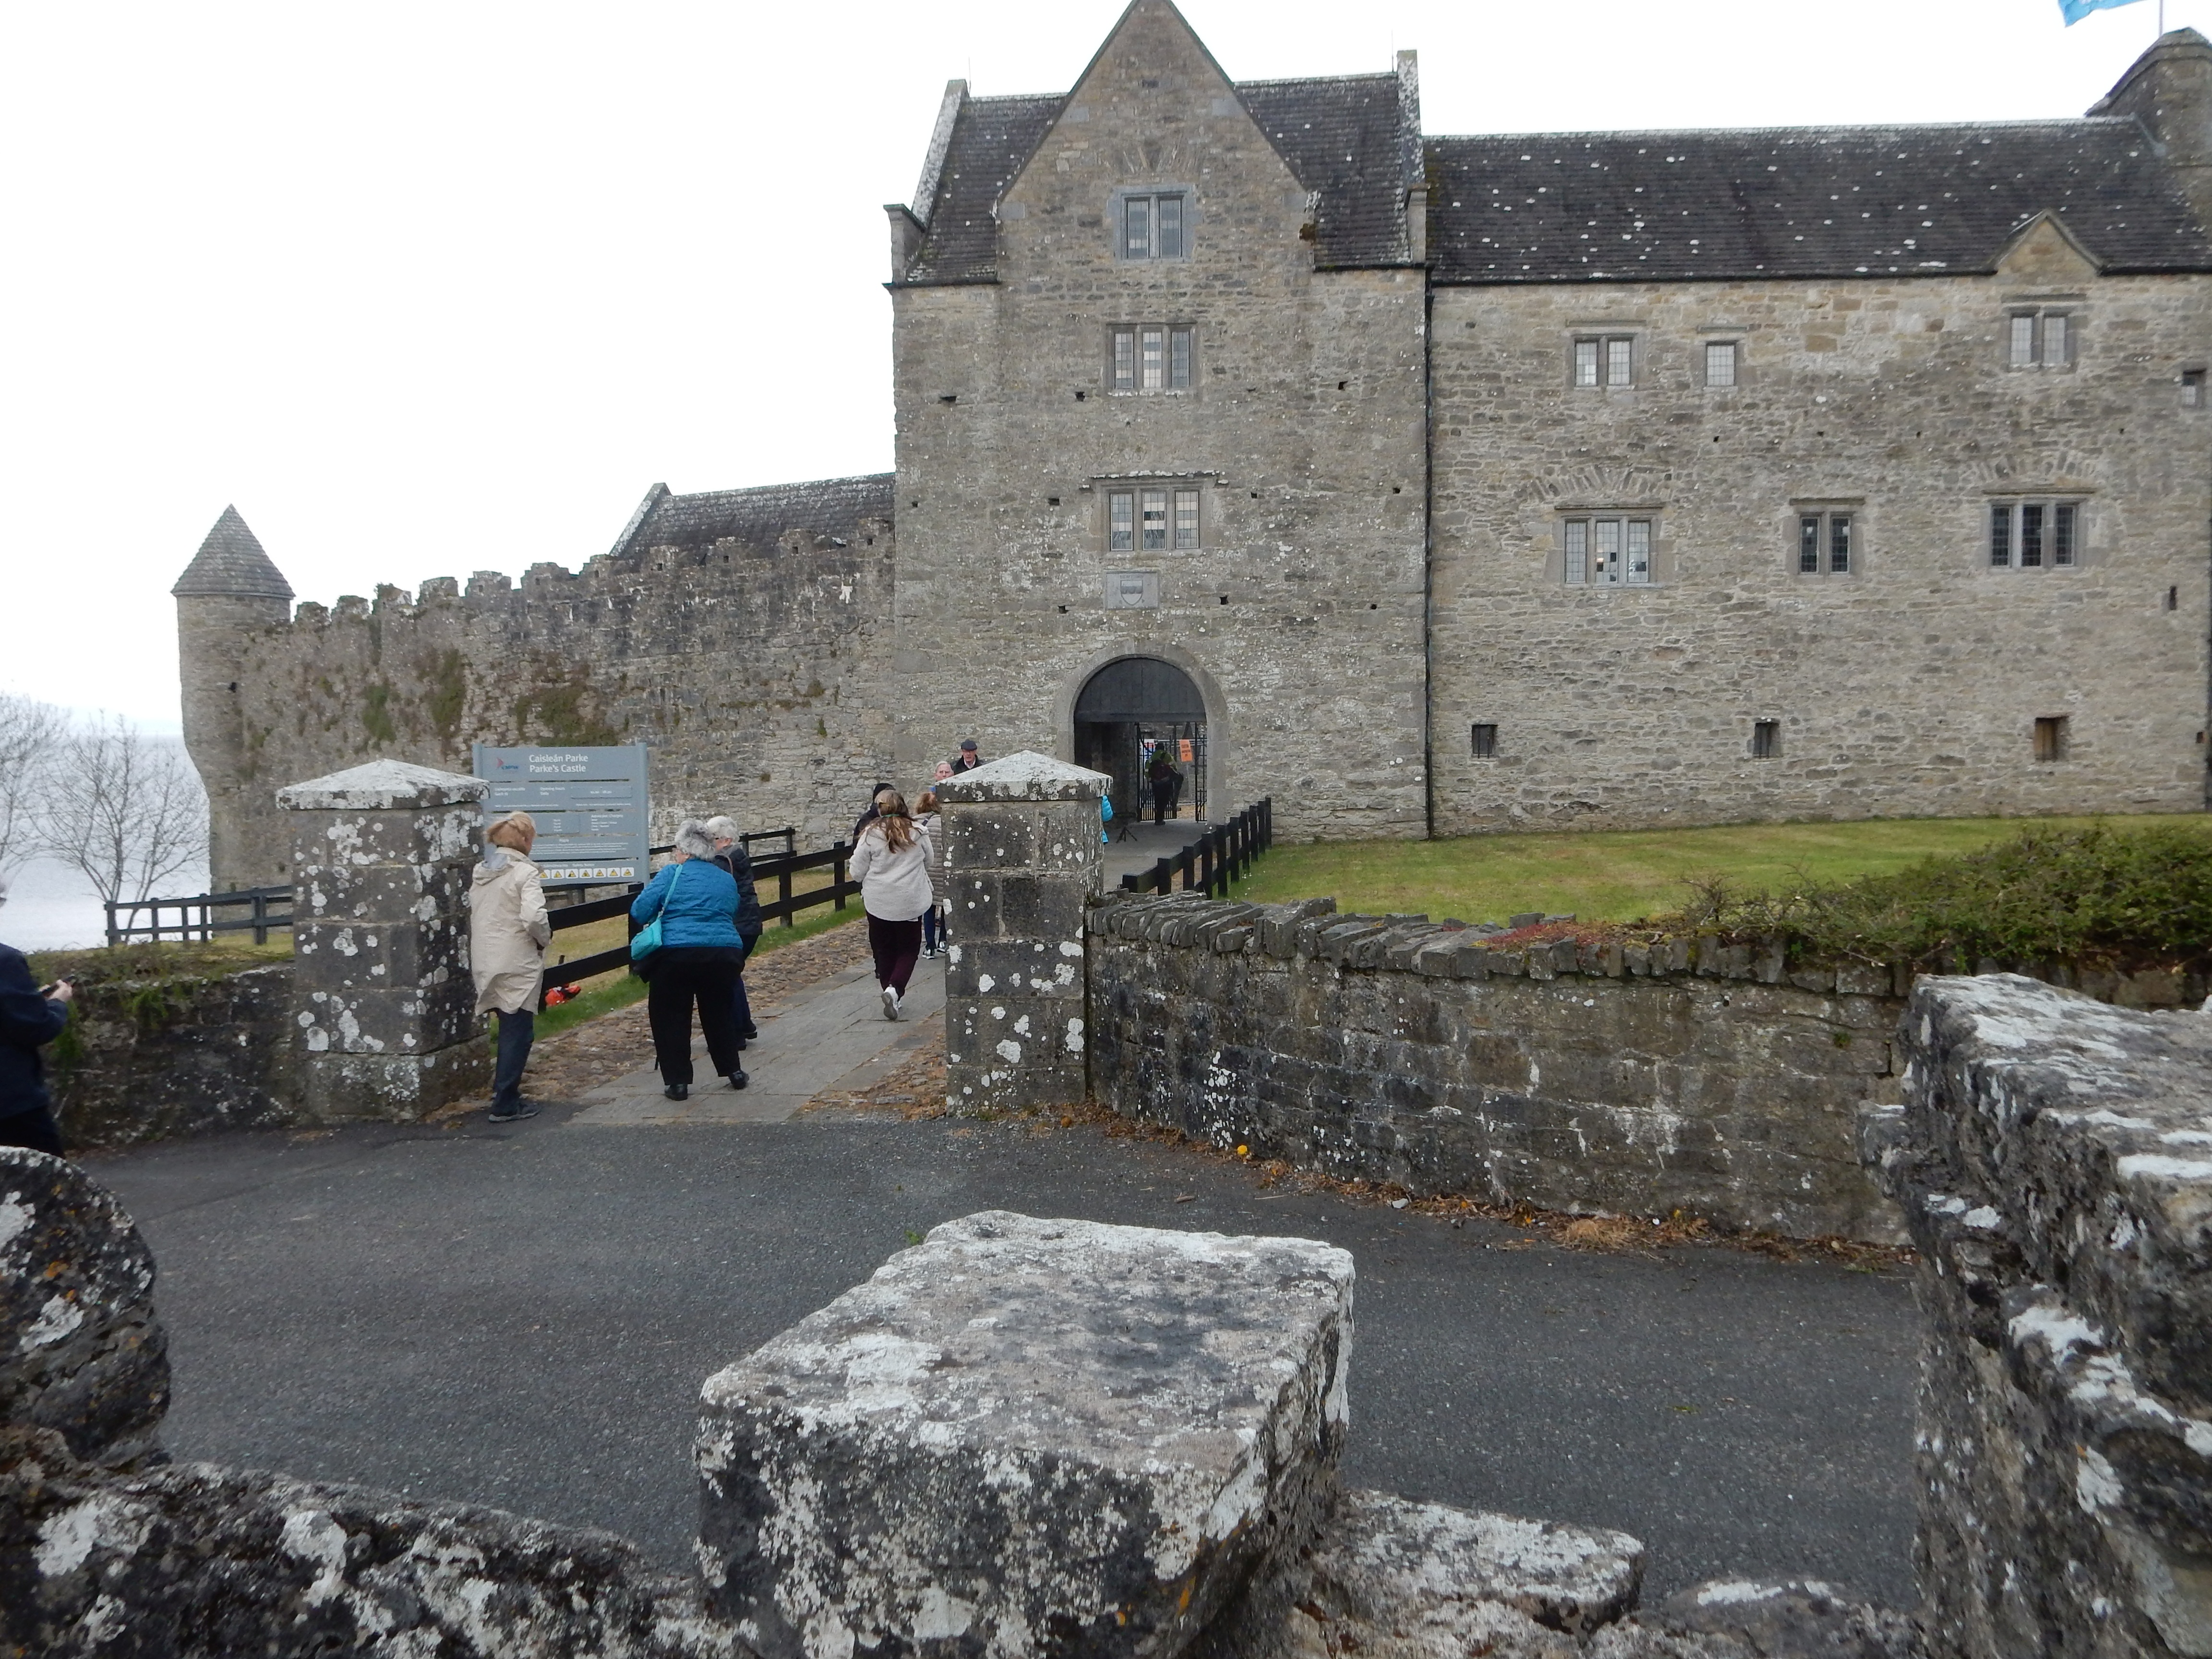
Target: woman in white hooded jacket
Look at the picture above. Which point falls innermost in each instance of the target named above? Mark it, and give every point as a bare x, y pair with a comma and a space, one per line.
509, 931
892, 863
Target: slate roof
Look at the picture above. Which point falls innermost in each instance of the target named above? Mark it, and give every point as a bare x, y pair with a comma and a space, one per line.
1798, 202
1346, 137
758, 518
230, 563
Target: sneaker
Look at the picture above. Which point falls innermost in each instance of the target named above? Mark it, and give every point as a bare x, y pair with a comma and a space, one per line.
891, 1003
930, 955
677, 1091
514, 1114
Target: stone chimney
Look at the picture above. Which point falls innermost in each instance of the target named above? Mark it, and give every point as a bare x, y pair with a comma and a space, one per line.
230, 592
2169, 90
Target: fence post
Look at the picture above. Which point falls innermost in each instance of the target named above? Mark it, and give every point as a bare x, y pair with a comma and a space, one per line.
837, 872
113, 937
260, 917
783, 895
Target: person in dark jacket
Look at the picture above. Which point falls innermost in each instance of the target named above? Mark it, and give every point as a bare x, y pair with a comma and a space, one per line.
730, 853
1166, 781
871, 815
701, 951
29, 1019
967, 760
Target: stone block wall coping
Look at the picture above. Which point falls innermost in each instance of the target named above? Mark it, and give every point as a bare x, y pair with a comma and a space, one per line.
1456, 949
1025, 775
382, 784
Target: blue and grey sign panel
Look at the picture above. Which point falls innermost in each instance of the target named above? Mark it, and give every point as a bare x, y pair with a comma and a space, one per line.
589, 805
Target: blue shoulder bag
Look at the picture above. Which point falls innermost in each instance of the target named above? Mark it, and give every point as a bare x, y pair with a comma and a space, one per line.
647, 939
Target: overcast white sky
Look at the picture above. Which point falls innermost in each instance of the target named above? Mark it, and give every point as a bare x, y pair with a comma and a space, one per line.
427, 288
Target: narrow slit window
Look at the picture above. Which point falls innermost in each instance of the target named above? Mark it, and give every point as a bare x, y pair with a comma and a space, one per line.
1720, 362
2049, 737
2061, 533
1152, 351
1484, 741
1180, 341
2001, 538
1765, 739
1186, 519
1577, 550
1809, 543
1125, 360
1121, 521
1586, 363
2031, 535
2192, 388
1136, 218
1155, 507
1840, 544
2023, 339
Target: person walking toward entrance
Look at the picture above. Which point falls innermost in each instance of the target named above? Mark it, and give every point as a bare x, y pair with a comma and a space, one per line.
730, 853
891, 864
31, 1016
695, 901
1161, 774
509, 932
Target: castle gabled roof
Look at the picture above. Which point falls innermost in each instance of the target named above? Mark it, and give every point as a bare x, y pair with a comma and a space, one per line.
1799, 202
231, 565
758, 519
992, 138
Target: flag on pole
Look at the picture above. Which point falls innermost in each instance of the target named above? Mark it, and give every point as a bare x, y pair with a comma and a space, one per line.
2074, 10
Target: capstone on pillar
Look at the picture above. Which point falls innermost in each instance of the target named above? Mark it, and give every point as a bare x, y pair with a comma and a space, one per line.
1023, 859
384, 1006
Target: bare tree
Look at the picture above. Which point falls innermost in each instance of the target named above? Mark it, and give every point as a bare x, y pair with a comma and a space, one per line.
125, 808
29, 731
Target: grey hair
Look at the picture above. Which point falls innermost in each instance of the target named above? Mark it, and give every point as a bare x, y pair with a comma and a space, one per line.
694, 840
722, 829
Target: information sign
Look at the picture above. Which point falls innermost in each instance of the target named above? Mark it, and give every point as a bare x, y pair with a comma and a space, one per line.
589, 805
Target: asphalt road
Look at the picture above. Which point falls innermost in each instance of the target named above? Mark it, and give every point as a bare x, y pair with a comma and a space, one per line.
522, 1317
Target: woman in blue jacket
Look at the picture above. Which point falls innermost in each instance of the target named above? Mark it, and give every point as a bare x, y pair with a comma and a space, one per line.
701, 951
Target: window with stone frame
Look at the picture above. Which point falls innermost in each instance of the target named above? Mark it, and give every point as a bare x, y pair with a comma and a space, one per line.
1150, 356
1607, 550
1604, 360
1153, 227
2035, 535
1826, 542
1721, 362
1153, 518
2038, 336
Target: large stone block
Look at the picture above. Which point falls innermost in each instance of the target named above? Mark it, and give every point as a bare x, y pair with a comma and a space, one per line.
1027, 1436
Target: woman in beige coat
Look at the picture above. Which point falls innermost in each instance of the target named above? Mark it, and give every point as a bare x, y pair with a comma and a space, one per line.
507, 934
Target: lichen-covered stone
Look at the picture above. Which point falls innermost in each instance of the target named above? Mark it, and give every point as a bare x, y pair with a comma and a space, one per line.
209, 1562
80, 1353
1026, 1437
1742, 1619
2054, 1159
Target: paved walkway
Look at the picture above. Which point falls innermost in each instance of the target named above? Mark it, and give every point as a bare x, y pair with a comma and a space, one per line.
1151, 842
832, 1036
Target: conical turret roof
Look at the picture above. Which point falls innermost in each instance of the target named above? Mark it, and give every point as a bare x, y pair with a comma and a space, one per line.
230, 563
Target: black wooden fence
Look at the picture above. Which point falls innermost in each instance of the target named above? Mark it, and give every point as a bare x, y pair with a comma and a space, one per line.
197, 917
1223, 855
784, 906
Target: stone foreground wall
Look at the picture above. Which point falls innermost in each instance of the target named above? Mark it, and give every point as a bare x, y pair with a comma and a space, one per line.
150, 1059
2054, 1160
1570, 1077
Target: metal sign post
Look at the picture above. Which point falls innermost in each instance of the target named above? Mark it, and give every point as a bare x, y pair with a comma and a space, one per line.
590, 806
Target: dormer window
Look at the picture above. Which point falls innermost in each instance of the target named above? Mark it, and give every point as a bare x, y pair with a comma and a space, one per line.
1152, 226
2039, 339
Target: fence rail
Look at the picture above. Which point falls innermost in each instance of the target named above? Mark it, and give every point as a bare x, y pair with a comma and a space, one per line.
255, 901
1222, 855
784, 906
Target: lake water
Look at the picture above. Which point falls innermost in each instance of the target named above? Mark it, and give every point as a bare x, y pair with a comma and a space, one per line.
51, 906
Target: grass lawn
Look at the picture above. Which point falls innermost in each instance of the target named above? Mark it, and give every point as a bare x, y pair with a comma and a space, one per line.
1614, 876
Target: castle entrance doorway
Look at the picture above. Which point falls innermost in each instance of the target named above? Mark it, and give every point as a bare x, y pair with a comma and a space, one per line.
1133, 712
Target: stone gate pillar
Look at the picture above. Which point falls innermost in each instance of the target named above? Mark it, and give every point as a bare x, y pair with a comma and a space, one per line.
1022, 859
380, 860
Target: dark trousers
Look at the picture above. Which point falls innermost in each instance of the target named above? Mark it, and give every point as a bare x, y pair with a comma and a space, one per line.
897, 945
741, 1011
932, 926
516, 1032
1163, 801
35, 1128
676, 988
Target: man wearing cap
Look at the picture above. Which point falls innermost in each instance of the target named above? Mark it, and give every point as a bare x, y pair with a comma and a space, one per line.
30, 1018
967, 759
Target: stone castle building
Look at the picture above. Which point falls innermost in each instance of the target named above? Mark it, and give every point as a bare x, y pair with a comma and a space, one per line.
1431, 485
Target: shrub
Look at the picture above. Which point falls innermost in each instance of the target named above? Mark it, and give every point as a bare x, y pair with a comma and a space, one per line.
2046, 895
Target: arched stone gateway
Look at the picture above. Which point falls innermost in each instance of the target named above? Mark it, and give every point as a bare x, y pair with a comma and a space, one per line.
1126, 711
